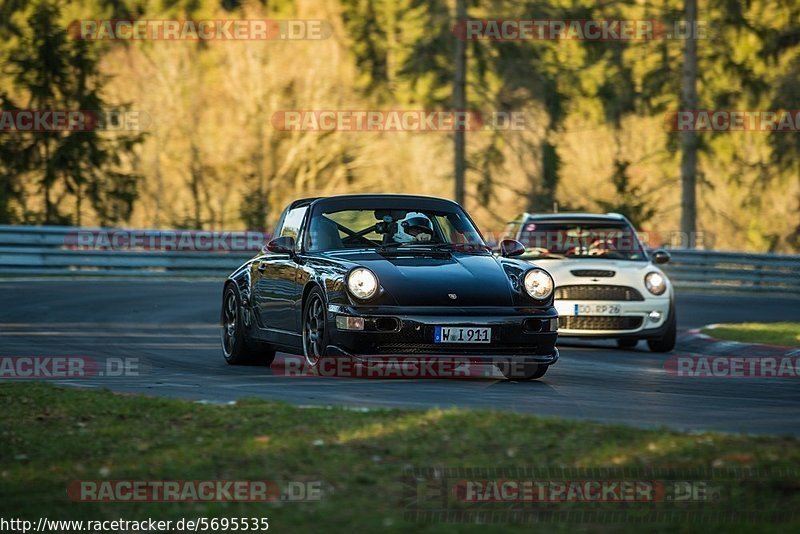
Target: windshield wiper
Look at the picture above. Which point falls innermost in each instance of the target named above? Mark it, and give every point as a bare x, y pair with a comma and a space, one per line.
394, 245
437, 246
463, 247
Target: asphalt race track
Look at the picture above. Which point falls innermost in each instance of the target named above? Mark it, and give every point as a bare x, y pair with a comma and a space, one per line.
170, 327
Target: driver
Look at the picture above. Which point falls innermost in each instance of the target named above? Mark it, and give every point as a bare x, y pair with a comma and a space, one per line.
415, 227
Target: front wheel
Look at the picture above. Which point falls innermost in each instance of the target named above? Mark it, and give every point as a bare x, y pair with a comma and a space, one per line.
315, 332
522, 371
237, 348
666, 342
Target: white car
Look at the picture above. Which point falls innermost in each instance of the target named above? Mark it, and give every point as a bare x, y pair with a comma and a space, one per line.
607, 284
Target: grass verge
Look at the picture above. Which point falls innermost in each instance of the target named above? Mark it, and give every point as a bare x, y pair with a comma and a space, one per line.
786, 334
52, 436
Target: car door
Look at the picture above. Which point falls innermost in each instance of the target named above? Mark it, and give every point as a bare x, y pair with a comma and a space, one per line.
275, 279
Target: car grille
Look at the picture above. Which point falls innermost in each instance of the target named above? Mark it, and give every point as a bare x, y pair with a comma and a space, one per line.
598, 292
597, 322
593, 273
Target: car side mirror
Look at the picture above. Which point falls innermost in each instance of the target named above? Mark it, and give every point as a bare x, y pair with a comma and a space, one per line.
511, 247
661, 256
280, 245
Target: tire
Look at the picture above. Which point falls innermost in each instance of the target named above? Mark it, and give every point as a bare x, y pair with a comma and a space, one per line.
627, 342
315, 328
237, 348
522, 371
666, 342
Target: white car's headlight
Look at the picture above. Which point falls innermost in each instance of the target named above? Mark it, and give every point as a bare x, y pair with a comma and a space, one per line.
538, 284
362, 283
655, 283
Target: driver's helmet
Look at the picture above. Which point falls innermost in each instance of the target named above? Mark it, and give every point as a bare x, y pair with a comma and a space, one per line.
414, 227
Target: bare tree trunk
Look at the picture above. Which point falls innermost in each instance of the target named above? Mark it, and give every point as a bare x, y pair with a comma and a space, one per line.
460, 102
78, 203
159, 180
196, 176
689, 137
46, 185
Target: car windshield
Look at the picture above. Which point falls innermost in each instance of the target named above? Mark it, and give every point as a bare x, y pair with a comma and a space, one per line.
392, 228
580, 239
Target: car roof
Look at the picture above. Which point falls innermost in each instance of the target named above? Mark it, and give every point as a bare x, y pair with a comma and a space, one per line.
367, 200
575, 217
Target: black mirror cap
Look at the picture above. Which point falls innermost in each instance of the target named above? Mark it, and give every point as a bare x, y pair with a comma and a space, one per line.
511, 247
280, 245
661, 256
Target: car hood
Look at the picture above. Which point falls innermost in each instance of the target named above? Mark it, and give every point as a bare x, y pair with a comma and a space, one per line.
428, 280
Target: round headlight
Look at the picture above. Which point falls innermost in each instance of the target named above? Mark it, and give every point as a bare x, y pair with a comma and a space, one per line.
538, 284
655, 283
362, 283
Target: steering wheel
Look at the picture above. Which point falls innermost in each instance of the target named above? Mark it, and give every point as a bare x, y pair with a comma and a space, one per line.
600, 247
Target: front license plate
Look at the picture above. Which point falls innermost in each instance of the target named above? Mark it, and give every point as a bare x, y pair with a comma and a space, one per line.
597, 309
461, 334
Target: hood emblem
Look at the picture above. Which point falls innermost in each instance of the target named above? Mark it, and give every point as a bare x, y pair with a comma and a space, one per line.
452, 296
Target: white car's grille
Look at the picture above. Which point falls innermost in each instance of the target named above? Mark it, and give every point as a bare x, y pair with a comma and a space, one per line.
597, 292
596, 322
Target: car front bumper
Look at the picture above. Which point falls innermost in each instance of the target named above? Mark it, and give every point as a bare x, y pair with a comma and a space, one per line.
519, 334
636, 319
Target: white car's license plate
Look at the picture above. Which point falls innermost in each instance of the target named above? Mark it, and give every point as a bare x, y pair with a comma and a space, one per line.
597, 309
462, 334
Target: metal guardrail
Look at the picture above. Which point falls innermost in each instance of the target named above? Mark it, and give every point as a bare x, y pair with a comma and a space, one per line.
70, 251
736, 271
55, 250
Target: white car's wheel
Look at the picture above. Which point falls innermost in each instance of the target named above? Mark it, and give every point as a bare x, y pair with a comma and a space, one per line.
666, 342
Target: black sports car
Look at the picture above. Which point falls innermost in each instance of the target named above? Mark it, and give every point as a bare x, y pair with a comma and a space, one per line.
366, 276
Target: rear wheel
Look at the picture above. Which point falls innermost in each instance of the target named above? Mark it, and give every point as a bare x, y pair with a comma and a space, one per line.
522, 371
237, 347
666, 342
627, 342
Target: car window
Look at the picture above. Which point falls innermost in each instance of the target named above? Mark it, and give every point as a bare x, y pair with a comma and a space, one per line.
581, 239
356, 219
292, 222
457, 230
341, 229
